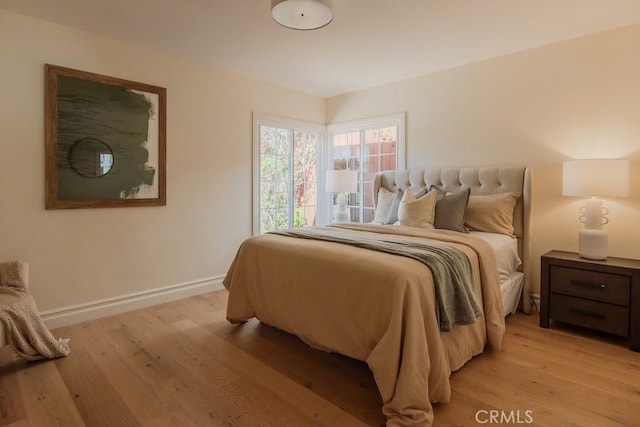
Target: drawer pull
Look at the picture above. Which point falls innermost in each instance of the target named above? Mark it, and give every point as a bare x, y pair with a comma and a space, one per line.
586, 313
590, 285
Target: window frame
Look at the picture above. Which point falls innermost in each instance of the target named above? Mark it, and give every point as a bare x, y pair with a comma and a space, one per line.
361, 126
292, 125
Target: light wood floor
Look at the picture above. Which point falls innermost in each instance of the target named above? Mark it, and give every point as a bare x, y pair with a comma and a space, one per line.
182, 364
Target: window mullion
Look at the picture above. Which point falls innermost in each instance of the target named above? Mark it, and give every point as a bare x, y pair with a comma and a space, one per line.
363, 144
291, 177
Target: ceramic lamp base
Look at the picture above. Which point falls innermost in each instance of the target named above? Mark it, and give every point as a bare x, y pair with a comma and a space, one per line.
339, 216
593, 243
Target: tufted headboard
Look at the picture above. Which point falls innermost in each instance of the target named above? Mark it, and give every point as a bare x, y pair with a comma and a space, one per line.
484, 180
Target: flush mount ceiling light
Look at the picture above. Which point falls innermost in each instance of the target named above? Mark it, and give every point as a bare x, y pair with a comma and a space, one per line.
301, 14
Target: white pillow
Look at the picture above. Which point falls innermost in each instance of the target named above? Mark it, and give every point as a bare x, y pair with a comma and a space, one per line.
506, 250
383, 207
417, 212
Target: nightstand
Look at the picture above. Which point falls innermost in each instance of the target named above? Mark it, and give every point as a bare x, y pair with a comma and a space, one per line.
600, 295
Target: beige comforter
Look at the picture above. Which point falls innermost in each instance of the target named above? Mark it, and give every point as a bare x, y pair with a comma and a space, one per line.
371, 306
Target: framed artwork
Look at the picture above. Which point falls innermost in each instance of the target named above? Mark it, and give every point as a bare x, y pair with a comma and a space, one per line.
105, 141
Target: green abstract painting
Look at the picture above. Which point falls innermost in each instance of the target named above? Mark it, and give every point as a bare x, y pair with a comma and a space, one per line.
106, 136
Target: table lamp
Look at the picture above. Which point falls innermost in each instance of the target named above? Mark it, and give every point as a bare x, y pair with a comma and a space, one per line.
341, 182
591, 178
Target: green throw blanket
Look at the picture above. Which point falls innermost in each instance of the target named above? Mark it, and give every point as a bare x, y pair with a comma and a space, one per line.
452, 275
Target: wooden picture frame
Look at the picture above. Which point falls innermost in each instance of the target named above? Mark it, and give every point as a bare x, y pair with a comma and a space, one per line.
105, 141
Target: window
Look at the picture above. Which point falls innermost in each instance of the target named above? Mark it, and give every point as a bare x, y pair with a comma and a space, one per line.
287, 160
289, 170
366, 146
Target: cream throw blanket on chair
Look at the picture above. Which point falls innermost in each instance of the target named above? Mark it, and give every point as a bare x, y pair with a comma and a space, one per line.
25, 331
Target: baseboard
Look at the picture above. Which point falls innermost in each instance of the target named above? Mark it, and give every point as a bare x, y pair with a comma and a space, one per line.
92, 310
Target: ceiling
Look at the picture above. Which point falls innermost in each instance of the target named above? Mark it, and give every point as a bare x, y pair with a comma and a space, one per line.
369, 42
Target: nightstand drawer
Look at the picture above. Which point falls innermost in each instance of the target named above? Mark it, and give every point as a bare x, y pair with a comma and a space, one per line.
594, 285
590, 314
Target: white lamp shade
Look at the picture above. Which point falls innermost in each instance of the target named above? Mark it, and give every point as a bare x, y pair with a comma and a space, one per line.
301, 14
595, 177
342, 181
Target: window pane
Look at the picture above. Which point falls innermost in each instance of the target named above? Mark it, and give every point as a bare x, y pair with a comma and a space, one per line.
274, 141
305, 178
368, 195
348, 138
274, 206
272, 219
273, 194
346, 149
388, 162
274, 178
274, 168
369, 213
389, 134
372, 164
388, 147
371, 136
354, 213
367, 149
368, 176
286, 168
305, 216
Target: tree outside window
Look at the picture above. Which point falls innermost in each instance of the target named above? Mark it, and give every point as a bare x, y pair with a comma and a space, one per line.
288, 162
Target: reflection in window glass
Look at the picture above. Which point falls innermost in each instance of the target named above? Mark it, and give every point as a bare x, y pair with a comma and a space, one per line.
106, 161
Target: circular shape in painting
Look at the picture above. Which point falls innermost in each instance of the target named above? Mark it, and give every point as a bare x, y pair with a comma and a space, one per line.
91, 157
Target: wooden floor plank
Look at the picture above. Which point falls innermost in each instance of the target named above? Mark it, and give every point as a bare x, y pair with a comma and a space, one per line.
12, 407
316, 370
93, 394
46, 399
182, 364
178, 417
301, 405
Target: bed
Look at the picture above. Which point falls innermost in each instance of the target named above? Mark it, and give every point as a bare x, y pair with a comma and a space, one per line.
383, 308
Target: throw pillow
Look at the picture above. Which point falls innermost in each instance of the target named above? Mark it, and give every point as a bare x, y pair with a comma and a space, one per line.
451, 210
417, 212
393, 212
492, 213
383, 207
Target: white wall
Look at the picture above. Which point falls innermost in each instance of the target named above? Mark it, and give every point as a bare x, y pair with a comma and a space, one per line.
575, 99
579, 98
79, 257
